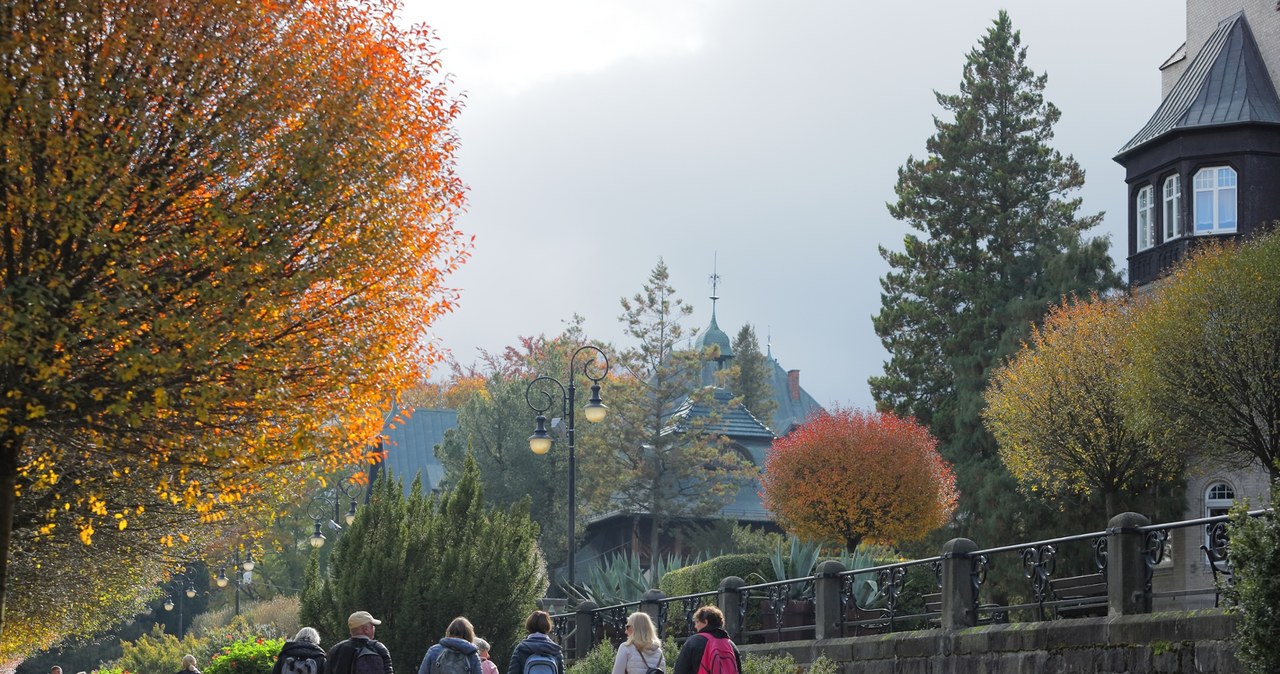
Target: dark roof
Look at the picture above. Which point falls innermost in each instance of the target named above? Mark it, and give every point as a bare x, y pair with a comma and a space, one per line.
411, 446
736, 422
790, 412
714, 335
1227, 83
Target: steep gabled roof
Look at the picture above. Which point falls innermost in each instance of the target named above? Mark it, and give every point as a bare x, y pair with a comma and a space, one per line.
1227, 83
735, 422
411, 445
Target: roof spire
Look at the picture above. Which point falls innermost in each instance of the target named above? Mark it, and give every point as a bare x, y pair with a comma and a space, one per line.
715, 282
768, 342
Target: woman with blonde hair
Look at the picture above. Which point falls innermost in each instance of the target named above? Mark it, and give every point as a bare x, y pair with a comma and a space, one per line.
188, 665
641, 651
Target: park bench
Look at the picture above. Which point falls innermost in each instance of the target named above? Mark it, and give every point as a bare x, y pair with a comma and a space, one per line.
1079, 596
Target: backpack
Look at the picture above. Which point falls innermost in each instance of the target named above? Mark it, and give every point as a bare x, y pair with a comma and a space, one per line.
655, 669
450, 661
302, 665
718, 657
540, 664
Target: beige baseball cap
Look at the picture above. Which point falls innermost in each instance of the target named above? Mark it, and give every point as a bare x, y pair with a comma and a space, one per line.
360, 619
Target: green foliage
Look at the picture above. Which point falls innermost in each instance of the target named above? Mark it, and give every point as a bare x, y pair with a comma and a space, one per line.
824, 665
621, 579
1255, 595
750, 376
1206, 360
315, 604
247, 656
997, 240
599, 660
161, 652
418, 561
273, 618
769, 664
657, 464
706, 576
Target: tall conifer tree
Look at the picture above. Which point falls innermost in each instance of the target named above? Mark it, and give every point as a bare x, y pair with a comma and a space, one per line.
997, 241
750, 376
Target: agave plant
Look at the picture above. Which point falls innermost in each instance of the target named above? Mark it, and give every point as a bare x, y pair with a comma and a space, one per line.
620, 579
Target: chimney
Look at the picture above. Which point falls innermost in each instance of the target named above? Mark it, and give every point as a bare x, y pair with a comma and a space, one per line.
793, 384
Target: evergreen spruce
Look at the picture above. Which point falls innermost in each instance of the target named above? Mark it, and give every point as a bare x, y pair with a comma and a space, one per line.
418, 561
997, 242
750, 376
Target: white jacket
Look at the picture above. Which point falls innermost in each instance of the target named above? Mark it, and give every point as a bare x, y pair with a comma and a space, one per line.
628, 660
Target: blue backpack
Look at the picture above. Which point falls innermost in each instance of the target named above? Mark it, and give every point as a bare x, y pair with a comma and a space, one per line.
540, 664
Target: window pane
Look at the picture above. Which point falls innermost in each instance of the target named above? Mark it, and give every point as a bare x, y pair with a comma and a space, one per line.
1204, 179
1227, 209
1204, 211
1172, 208
1226, 177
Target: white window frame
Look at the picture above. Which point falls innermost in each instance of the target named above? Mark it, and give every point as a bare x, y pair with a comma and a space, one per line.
1173, 207
1219, 496
1215, 187
1145, 208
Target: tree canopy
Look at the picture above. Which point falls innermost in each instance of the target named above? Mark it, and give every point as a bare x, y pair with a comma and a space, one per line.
997, 239
1055, 408
1206, 355
225, 232
848, 475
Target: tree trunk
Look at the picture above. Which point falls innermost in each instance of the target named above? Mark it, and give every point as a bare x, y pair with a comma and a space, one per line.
653, 538
1110, 499
10, 443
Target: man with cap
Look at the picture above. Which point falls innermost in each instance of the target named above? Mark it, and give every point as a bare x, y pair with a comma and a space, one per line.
357, 654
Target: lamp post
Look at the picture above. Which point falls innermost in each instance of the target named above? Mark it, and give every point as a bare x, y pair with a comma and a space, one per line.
190, 591
319, 508
594, 411
243, 572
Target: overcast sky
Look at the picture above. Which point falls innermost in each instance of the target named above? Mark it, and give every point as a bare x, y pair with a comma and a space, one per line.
600, 136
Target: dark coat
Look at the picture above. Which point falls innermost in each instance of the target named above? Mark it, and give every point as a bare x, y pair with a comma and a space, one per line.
343, 655
300, 649
536, 643
690, 659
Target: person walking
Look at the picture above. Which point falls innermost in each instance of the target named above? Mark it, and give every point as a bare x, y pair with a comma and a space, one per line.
456, 653
361, 654
302, 655
642, 651
487, 666
188, 665
537, 650
723, 657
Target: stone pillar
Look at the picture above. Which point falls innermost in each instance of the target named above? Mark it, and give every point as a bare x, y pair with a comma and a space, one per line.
1127, 565
729, 601
959, 596
583, 637
828, 613
651, 603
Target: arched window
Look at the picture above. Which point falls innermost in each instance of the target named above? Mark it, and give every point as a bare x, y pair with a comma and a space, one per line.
1215, 200
1146, 210
1218, 499
1172, 207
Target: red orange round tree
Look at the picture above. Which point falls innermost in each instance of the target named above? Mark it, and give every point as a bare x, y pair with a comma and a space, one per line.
849, 475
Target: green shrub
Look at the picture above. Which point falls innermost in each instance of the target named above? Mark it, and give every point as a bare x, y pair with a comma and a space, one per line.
248, 656
1255, 561
824, 665
769, 664
276, 617
161, 653
706, 577
599, 660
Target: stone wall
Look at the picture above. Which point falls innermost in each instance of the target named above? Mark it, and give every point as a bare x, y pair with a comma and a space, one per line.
1155, 643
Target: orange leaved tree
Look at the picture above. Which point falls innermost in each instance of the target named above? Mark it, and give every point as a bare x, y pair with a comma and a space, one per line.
849, 475
225, 231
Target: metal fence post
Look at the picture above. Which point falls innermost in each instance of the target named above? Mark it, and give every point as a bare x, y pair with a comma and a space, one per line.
651, 603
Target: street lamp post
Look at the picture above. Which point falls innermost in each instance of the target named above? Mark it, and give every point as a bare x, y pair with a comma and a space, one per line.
243, 572
190, 592
320, 505
594, 411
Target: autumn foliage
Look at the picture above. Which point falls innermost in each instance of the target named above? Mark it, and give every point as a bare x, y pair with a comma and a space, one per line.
225, 232
1055, 407
851, 476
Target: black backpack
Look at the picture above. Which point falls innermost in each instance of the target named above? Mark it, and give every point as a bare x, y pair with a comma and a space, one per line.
301, 665
651, 669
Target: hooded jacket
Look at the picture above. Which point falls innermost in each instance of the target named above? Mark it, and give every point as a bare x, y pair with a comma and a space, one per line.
539, 644
690, 659
453, 643
298, 650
